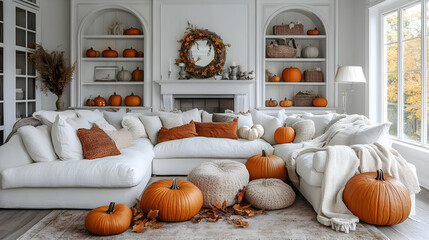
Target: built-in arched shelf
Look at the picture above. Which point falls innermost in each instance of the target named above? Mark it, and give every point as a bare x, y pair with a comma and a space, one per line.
95, 74
310, 20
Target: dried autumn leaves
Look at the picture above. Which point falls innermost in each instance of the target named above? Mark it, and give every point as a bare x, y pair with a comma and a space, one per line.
218, 211
141, 222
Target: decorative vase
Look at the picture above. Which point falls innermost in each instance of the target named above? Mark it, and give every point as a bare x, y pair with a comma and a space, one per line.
60, 103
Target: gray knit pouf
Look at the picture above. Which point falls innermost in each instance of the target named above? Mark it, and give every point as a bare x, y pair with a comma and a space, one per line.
219, 180
269, 194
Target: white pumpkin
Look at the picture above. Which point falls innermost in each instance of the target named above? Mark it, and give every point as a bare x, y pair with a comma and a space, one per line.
253, 133
124, 75
260, 130
310, 52
243, 132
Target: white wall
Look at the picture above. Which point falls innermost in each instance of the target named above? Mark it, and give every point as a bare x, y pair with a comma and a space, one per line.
55, 17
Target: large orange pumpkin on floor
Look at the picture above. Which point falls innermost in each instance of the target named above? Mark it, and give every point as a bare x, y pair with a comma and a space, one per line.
109, 220
132, 100
284, 135
176, 200
115, 100
266, 166
377, 198
291, 75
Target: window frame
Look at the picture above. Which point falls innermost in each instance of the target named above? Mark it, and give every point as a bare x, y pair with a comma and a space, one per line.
400, 71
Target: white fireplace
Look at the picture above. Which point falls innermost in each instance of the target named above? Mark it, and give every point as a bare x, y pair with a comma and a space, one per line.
237, 89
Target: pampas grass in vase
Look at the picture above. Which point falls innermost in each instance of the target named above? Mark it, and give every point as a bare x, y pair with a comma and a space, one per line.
54, 72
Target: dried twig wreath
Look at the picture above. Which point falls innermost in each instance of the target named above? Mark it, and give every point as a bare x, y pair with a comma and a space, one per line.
193, 34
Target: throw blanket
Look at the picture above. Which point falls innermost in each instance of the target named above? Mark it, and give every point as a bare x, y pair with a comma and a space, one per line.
342, 163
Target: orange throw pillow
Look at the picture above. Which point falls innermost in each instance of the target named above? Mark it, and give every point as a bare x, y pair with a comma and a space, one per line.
96, 143
218, 129
184, 131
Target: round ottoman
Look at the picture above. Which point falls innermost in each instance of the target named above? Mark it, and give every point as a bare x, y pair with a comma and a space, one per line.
219, 180
269, 194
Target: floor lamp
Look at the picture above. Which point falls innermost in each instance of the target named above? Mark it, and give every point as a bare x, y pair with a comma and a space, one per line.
349, 75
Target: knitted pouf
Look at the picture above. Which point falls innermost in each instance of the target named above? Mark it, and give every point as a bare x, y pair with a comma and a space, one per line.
219, 180
269, 194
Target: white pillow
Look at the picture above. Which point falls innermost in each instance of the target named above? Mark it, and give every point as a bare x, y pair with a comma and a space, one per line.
320, 122
171, 121
14, 149
37, 141
206, 117
77, 123
65, 140
122, 138
187, 116
269, 123
104, 125
243, 119
153, 125
134, 126
48, 117
91, 116
360, 134
115, 118
292, 119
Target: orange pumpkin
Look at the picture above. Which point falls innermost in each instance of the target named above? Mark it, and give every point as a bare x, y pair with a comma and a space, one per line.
129, 52
377, 198
90, 102
284, 135
176, 200
91, 53
313, 32
291, 75
140, 54
266, 166
132, 31
286, 103
109, 220
275, 78
115, 100
132, 100
137, 74
320, 102
99, 101
271, 103
109, 52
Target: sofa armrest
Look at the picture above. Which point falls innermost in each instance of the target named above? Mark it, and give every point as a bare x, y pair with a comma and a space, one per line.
14, 153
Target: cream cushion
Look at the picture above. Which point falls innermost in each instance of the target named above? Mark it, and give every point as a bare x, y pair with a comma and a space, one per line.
37, 141
115, 118
269, 123
153, 125
320, 121
49, 117
206, 117
360, 134
171, 121
269, 194
188, 116
104, 125
135, 126
91, 116
304, 130
79, 122
122, 138
219, 180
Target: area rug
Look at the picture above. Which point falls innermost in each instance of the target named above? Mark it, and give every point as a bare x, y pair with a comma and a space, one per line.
296, 222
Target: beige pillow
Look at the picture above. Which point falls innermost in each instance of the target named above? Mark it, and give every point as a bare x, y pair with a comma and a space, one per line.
171, 121
122, 138
134, 126
304, 130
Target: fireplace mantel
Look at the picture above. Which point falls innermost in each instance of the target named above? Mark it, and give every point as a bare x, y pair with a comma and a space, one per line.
240, 89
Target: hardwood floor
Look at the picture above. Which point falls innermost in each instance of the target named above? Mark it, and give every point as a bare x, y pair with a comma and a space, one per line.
13, 223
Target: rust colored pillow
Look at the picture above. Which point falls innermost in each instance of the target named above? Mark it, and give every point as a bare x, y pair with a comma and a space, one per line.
96, 143
184, 131
218, 129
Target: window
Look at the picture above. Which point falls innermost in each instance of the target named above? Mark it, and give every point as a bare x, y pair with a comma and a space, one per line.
405, 71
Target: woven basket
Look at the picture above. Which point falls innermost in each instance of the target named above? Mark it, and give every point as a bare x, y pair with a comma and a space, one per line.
302, 99
280, 51
289, 29
313, 76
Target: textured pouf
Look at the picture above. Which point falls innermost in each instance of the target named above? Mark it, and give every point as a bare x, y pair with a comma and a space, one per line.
219, 180
269, 194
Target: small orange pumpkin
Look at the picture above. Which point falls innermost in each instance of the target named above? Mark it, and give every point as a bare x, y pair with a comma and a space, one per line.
377, 198
137, 75
99, 101
132, 100
109, 220
266, 166
313, 32
140, 54
284, 135
132, 31
291, 75
320, 102
109, 52
176, 200
91, 53
115, 100
275, 78
286, 103
129, 52
90, 102
271, 103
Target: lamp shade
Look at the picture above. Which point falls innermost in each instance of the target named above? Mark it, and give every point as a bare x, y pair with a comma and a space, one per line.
350, 74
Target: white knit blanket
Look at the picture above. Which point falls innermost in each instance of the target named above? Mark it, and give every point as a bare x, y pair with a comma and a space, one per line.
342, 163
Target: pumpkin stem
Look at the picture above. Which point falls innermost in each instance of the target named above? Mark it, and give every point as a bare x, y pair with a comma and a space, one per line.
111, 208
264, 154
109, 48
380, 175
174, 186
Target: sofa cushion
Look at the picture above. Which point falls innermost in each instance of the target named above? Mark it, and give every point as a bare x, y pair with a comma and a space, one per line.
304, 131
269, 123
125, 170
152, 125
184, 131
122, 138
360, 134
48, 117
285, 150
14, 153
304, 168
115, 118
171, 121
96, 143
218, 129
91, 116
319, 161
320, 121
135, 126
205, 147
37, 141
187, 117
